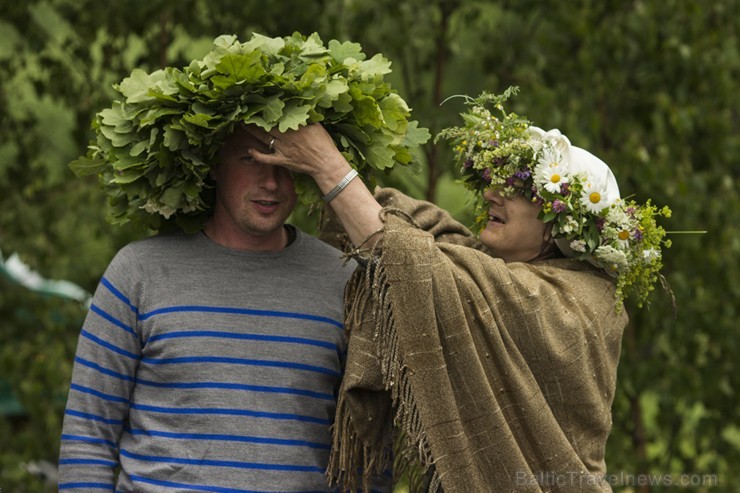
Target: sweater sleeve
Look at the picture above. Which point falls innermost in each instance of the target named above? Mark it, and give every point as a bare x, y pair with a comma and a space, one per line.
107, 356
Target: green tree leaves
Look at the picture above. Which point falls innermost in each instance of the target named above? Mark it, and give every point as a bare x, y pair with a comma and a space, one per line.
270, 82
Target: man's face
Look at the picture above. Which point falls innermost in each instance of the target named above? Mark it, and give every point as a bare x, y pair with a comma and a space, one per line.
253, 200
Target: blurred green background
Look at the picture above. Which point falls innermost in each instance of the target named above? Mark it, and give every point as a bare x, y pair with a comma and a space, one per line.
651, 87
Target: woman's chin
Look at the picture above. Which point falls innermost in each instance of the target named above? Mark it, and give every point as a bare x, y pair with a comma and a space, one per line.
488, 237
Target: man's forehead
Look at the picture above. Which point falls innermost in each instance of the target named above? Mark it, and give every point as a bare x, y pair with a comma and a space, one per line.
241, 138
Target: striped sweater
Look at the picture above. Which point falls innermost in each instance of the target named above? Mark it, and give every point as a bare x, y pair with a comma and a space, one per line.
201, 368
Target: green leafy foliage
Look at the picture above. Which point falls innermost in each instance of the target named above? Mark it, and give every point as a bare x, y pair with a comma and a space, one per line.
155, 147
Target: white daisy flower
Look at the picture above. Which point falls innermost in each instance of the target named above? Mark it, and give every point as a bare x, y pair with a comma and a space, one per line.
550, 171
593, 198
623, 238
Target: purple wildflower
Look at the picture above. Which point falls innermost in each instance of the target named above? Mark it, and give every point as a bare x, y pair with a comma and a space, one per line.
523, 174
565, 189
468, 164
637, 235
559, 206
600, 221
493, 143
486, 175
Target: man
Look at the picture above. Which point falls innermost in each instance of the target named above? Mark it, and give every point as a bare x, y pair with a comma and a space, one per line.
211, 362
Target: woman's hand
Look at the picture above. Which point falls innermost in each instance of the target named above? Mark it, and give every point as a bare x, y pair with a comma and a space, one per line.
311, 150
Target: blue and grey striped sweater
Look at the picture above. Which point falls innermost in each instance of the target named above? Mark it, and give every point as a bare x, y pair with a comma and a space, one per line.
201, 368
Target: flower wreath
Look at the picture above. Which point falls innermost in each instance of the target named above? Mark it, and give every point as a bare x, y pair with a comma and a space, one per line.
577, 191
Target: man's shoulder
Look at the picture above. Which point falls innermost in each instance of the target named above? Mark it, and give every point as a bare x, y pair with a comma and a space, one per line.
169, 243
321, 250
318, 244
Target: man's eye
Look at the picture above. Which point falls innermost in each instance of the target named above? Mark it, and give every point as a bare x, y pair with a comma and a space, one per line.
246, 159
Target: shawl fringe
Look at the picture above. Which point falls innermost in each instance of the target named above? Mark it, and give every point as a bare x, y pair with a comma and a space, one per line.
406, 444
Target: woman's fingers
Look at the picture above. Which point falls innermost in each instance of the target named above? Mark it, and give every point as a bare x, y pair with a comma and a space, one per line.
267, 138
274, 158
309, 150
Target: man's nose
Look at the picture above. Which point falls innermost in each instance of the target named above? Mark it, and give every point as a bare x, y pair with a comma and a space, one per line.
269, 176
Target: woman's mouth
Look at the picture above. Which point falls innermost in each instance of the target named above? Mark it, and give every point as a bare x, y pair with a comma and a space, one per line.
493, 218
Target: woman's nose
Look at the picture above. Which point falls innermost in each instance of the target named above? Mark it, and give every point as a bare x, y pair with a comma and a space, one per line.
493, 195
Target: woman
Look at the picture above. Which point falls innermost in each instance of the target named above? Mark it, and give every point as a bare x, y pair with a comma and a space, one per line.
495, 359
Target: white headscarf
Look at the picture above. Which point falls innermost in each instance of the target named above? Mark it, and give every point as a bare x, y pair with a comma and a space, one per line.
577, 160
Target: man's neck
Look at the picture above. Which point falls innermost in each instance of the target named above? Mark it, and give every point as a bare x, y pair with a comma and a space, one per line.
273, 242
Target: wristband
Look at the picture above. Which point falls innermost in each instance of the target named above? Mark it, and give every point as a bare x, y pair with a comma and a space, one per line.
340, 186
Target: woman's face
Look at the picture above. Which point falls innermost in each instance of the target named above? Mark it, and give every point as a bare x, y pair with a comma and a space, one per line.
513, 232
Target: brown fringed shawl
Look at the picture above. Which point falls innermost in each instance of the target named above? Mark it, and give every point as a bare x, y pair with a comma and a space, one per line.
500, 376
